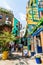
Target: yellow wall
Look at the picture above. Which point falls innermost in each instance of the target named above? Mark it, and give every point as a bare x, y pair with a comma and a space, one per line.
29, 16
31, 22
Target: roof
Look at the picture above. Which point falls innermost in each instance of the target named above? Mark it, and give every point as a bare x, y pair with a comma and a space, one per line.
6, 11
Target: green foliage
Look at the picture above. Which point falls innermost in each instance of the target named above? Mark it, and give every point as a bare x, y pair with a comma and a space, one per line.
7, 12
38, 25
37, 56
5, 38
35, 1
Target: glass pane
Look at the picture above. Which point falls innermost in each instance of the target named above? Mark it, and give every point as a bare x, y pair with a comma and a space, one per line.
0, 16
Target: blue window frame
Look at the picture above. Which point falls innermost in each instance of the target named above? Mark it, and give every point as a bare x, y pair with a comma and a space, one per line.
0, 16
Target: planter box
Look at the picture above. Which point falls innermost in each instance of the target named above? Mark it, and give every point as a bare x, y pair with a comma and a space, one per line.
38, 60
5, 55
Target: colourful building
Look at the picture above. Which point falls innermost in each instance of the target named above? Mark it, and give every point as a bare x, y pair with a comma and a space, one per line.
37, 35
6, 20
34, 12
15, 29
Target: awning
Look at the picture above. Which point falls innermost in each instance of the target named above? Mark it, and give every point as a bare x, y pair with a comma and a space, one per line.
37, 32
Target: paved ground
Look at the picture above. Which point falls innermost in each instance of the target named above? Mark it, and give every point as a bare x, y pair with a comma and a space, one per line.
18, 60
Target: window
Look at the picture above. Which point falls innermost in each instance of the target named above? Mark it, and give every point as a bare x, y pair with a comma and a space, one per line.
6, 18
0, 16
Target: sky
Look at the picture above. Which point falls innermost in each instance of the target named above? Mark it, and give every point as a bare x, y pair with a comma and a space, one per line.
18, 7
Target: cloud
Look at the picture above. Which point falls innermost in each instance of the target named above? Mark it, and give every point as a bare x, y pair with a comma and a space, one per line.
4, 4
24, 24
22, 16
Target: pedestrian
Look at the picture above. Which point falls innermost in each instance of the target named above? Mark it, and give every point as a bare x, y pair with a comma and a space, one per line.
16, 47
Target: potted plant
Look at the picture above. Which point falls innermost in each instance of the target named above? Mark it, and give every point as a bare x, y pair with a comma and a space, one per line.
38, 59
6, 38
5, 51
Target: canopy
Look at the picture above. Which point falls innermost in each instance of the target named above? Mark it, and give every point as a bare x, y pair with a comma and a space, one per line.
37, 32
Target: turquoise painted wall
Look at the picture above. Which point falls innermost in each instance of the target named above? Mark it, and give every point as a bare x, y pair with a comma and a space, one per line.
15, 28
15, 23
